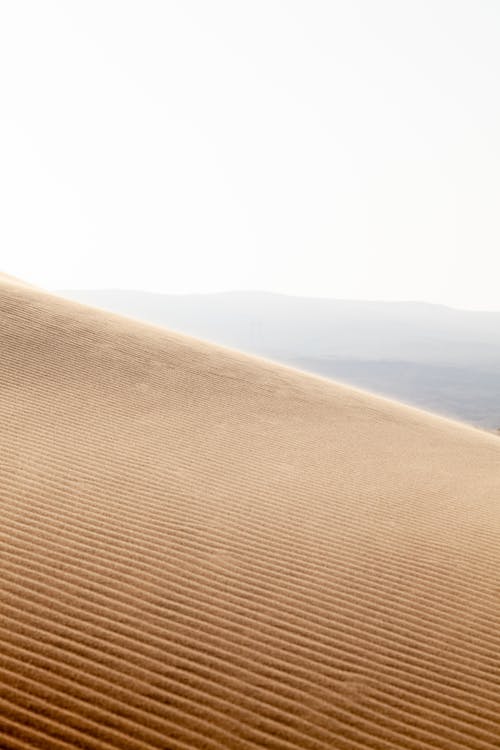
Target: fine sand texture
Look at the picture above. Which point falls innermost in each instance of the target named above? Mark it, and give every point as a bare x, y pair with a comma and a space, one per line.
201, 549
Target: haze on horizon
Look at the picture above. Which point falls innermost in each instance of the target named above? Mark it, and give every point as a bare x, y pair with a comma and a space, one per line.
324, 149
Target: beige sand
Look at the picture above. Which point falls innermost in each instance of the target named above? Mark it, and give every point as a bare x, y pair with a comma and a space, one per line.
204, 550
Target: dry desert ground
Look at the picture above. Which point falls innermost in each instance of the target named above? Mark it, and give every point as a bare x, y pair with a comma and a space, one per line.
204, 550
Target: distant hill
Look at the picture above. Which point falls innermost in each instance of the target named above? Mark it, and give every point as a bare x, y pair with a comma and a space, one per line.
432, 356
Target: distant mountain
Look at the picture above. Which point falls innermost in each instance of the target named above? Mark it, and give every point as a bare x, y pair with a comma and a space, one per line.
432, 356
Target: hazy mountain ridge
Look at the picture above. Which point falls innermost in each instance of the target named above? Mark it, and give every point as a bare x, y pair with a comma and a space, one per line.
435, 357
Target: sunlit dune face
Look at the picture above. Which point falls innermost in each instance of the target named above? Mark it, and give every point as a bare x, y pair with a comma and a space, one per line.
201, 549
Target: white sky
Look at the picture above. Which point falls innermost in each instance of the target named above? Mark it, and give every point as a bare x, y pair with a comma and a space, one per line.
345, 148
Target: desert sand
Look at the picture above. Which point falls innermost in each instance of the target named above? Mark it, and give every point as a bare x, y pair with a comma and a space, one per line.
201, 549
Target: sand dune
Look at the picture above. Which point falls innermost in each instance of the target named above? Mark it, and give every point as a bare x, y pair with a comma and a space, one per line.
430, 356
204, 550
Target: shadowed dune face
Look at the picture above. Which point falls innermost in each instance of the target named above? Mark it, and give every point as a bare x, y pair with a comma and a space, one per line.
204, 550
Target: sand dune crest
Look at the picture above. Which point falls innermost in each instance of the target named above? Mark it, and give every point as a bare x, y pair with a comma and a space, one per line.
205, 550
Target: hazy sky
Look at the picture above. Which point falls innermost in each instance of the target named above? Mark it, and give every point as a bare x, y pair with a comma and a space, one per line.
340, 148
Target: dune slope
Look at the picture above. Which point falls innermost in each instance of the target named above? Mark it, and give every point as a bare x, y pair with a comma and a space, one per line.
205, 550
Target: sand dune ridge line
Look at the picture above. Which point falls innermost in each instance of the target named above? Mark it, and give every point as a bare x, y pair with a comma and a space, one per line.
202, 549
